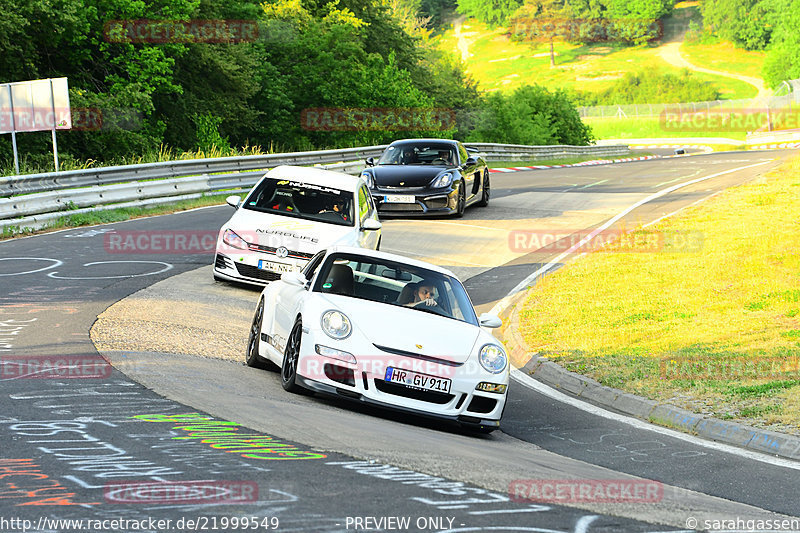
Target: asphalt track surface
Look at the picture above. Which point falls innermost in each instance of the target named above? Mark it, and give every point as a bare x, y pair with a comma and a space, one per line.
71, 445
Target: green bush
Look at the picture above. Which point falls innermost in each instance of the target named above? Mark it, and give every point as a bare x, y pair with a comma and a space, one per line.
652, 87
530, 115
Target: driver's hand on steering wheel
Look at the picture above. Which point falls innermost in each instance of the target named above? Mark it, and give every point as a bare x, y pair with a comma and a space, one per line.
429, 302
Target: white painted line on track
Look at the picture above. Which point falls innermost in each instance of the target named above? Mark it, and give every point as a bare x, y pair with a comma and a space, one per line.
546, 390
593, 184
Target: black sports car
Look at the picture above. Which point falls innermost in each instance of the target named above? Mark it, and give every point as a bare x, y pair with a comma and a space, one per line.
427, 176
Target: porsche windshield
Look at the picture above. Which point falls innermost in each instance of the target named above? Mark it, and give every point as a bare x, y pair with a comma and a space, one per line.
416, 153
302, 200
380, 280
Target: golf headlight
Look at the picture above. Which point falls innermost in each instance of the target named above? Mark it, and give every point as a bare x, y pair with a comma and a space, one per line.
336, 324
367, 177
492, 358
443, 181
234, 241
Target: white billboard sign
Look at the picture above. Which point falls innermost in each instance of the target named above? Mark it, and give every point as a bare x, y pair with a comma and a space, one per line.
36, 105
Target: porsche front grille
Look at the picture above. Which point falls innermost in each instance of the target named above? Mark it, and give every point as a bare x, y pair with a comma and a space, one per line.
439, 398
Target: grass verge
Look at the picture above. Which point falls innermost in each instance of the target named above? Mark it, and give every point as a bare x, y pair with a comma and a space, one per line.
113, 215
716, 331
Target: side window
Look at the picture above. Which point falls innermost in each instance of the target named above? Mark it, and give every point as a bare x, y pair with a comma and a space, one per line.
364, 204
313, 264
462, 153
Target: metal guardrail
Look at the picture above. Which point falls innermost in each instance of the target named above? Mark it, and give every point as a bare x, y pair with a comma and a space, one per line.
34, 200
173, 169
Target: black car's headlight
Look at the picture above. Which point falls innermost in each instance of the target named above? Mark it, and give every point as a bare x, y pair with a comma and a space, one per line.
443, 180
367, 177
233, 240
492, 358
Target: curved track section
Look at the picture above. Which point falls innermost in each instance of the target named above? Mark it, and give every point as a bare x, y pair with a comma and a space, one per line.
77, 432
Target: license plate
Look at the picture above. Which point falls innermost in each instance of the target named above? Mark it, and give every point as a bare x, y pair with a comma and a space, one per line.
416, 380
274, 267
399, 199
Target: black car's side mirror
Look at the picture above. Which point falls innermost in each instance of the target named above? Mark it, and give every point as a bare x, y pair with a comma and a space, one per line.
471, 161
370, 161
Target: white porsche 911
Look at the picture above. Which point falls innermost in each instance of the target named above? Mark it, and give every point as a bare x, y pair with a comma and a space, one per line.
290, 214
382, 329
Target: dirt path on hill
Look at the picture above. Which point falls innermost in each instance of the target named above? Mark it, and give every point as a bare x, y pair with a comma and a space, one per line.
463, 44
671, 53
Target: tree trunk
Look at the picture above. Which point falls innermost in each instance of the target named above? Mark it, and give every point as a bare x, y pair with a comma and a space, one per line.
552, 54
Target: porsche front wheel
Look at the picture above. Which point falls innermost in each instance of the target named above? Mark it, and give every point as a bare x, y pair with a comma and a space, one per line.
291, 355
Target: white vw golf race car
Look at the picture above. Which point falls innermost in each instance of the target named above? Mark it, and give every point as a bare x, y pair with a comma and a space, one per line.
386, 330
290, 214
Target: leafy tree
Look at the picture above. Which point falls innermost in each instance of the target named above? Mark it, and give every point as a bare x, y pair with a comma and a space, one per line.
582, 21
783, 57
531, 115
748, 23
492, 12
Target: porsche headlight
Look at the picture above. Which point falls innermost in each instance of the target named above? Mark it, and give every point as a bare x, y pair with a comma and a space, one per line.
233, 240
336, 324
443, 181
367, 177
492, 358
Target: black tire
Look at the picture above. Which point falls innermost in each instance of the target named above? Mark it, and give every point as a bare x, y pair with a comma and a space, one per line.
290, 357
461, 202
486, 190
252, 359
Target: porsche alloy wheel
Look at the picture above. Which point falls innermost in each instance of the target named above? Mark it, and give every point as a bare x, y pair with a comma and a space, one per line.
290, 357
461, 202
485, 190
252, 359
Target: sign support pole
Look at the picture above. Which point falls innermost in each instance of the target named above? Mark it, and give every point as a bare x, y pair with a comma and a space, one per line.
13, 131
16, 157
53, 108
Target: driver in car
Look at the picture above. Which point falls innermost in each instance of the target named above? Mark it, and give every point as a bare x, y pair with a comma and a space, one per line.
424, 294
338, 206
